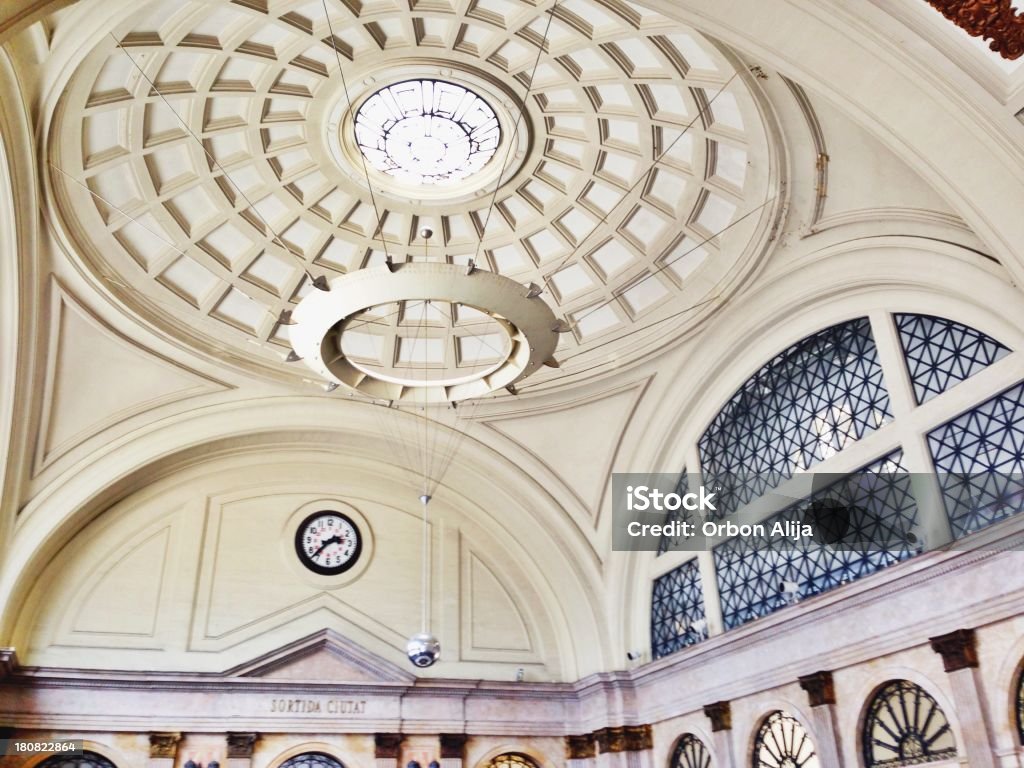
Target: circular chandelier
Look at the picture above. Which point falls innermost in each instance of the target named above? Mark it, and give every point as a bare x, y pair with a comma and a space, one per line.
425, 360
427, 131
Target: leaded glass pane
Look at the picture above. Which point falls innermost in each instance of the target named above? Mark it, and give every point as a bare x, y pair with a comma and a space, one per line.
311, 760
808, 403
782, 742
85, 760
867, 517
681, 515
690, 752
979, 456
940, 353
905, 726
512, 760
677, 610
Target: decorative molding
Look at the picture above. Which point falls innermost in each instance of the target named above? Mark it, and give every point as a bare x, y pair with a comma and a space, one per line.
241, 744
453, 746
164, 745
388, 746
611, 740
720, 715
330, 641
994, 20
958, 649
580, 747
819, 687
638, 738
8, 662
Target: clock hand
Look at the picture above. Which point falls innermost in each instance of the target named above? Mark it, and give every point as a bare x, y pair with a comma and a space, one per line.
326, 544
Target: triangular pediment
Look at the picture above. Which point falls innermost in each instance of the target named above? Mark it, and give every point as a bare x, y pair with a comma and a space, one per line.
324, 657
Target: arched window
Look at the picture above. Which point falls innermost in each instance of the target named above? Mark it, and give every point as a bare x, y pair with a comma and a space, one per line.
818, 398
1020, 706
84, 760
512, 760
783, 742
803, 406
690, 752
677, 610
904, 725
311, 760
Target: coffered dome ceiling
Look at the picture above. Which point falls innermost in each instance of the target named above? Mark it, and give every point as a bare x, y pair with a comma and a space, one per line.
207, 167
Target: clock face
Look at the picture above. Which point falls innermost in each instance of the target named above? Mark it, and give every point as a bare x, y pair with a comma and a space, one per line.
328, 543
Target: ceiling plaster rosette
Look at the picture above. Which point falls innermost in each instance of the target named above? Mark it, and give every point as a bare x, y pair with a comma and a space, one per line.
213, 240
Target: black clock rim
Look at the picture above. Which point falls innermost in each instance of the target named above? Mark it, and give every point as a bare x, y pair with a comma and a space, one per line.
314, 567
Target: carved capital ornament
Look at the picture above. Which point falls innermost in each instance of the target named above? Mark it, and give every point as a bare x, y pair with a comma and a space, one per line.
580, 747
453, 746
164, 744
819, 687
958, 649
387, 745
720, 715
241, 744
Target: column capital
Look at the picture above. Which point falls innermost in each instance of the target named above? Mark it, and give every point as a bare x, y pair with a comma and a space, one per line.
8, 662
453, 746
610, 739
387, 745
819, 687
638, 737
241, 744
164, 744
958, 649
720, 715
580, 747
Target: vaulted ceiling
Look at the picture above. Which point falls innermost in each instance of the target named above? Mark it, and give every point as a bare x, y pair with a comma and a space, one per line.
176, 173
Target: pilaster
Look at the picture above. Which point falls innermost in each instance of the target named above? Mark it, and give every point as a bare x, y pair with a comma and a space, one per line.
821, 695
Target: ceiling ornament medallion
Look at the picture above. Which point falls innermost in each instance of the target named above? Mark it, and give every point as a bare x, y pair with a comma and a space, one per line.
994, 20
527, 330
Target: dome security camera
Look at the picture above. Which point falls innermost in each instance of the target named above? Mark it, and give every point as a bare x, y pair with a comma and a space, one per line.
423, 650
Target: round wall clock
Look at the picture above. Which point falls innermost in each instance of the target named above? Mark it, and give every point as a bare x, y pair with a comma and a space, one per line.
328, 542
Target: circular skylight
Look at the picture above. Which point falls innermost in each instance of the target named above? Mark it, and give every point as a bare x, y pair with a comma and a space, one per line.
427, 131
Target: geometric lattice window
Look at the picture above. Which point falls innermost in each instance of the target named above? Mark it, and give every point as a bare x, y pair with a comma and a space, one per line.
940, 353
681, 515
690, 752
808, 403
311, 760
85, 760
979, 458
677, 610
905, 726
512, 760
782, 742
865, 518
